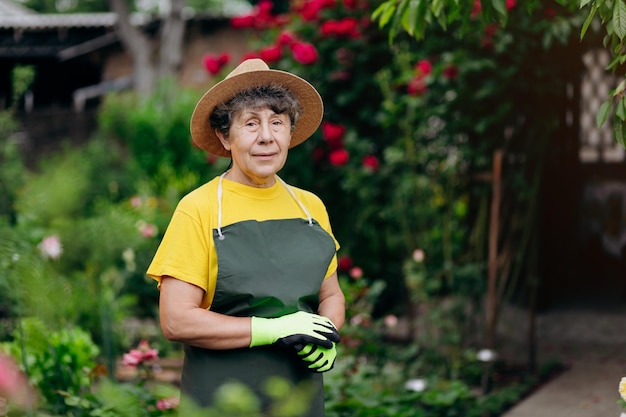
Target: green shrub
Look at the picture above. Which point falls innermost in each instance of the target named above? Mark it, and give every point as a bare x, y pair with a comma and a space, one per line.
58, 362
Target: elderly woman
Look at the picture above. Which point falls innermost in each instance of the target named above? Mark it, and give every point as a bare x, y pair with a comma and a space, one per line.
247, 267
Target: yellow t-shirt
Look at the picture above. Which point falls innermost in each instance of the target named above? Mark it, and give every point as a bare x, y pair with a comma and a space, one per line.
187, 251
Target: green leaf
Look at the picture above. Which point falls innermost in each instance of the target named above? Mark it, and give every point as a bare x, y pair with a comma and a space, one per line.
619, 18
620, 110
400, 14
383, 13
588, 21
603, 113
583, 3
412, 17
499, 6
619, 132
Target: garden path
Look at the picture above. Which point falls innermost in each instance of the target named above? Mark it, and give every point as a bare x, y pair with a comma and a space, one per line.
591, 342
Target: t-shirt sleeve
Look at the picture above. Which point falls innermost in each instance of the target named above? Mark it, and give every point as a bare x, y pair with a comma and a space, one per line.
184, 239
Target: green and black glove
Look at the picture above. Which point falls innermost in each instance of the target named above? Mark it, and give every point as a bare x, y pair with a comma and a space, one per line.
320, 358
300, 328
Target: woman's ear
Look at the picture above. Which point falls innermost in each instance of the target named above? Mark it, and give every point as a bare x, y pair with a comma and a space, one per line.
223, 139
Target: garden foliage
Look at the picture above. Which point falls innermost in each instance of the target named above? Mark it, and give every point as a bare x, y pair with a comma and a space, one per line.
409, 131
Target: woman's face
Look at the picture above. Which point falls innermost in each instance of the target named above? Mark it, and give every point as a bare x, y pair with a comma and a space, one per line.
258, 143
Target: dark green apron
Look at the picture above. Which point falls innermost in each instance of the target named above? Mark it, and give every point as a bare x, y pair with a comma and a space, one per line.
265, 269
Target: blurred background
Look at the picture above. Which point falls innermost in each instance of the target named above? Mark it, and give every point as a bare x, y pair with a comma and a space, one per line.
472, 165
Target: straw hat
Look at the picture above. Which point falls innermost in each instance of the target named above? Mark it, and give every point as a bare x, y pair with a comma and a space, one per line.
251, 73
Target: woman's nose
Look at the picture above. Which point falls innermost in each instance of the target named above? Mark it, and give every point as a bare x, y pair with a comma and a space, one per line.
265, 134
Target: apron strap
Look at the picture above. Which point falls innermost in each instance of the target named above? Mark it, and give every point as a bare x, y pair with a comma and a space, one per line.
219, 204
308, 215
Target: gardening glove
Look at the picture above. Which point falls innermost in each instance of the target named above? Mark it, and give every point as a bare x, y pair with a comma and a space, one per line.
293, 329
320, 358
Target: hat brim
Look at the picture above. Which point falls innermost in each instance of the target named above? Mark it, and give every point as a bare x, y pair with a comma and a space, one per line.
203, 135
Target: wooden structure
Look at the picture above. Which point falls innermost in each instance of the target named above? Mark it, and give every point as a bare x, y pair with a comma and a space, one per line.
78, 58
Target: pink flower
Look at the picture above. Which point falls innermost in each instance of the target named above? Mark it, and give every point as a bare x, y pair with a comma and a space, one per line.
128, 359
304, 53
339, 157
510, 4
333, 134
168, 403
270, 54
391, 320
135, 201
51, 247
143, 353
419, 255
423, 67
14, 384
148, 230
417, 86
356, 272
344, 263
370, 163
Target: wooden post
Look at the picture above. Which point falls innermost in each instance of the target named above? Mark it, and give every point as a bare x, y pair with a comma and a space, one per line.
494, 224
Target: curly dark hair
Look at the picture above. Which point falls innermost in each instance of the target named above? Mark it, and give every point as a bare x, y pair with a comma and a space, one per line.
273, 96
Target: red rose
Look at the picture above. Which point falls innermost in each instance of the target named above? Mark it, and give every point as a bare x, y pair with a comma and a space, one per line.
549, 12
310, 10
491, 30
339, 157
249, 55
348, 27
212, 64
270, 54
510, 4
344, 263
423, 67
328, 28
304, 53
370, 163
240, 22
450, 72
285, 38
350, 4
333, 134
477, 9
224, 59
264, 8
417, 86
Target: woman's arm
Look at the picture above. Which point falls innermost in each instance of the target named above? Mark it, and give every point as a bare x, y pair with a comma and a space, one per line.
332, 301
183, 320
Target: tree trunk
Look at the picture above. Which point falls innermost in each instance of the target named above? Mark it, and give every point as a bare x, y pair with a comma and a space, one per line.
172, 36
147, 71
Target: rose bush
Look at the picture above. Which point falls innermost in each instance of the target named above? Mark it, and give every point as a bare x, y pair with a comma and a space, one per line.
410, 127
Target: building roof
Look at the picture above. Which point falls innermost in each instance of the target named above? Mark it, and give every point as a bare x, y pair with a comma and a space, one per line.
16, 16
73, 20
9, 8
